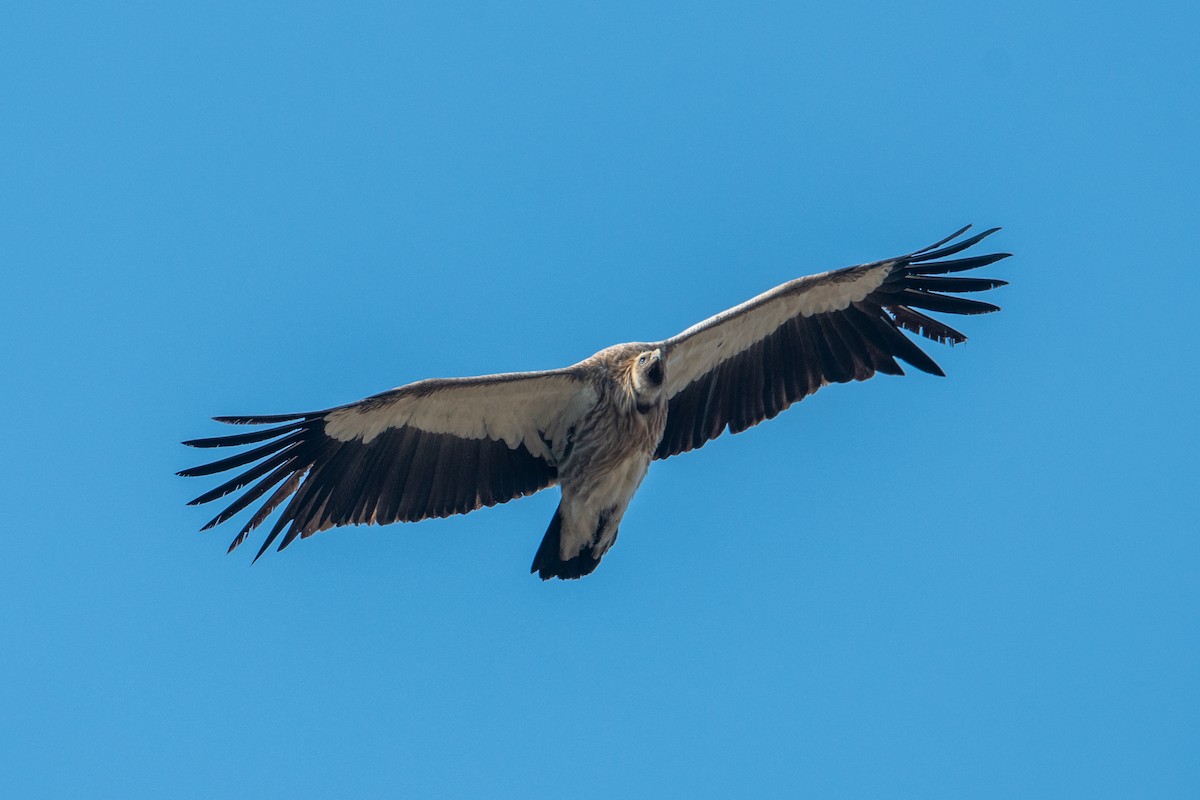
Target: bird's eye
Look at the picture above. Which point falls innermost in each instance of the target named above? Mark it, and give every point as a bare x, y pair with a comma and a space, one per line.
641, 359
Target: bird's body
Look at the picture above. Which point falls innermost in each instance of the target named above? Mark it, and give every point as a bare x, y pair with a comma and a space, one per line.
447, 446
609, 454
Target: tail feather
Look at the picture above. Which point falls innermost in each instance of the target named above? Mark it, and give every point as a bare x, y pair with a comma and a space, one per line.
547, 563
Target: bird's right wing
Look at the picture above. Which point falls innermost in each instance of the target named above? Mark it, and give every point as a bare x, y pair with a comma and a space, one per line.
428, 449
749, 363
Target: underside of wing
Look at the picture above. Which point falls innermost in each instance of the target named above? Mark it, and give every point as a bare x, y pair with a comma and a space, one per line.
749, 363
429, 449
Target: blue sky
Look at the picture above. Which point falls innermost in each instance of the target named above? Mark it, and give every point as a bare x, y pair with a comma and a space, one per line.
980, 586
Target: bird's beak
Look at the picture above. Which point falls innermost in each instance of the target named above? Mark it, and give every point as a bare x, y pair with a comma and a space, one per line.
655, 372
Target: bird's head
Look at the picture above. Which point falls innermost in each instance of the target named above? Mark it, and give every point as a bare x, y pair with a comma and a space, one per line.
646, 375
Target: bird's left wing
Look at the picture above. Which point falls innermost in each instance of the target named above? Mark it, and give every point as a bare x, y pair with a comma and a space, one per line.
749, 363
428, 449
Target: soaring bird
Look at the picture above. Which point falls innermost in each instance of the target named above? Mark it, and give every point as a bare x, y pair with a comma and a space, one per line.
451, 445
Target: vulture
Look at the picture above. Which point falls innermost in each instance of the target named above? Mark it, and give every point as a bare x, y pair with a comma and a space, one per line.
451, 445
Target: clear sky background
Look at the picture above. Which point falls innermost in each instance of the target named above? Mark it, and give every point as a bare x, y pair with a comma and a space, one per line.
980, 586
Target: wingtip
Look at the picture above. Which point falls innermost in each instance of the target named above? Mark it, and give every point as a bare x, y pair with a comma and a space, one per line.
262, 550
262, 419
941, 242
974, 239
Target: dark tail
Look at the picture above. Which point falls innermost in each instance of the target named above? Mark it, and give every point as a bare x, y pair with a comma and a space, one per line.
548, 564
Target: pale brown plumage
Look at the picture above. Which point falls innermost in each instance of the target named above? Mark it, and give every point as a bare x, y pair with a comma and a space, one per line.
611, 450
448, 446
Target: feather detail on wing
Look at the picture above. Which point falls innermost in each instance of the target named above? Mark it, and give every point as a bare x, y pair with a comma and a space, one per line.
749, 363
429, 449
